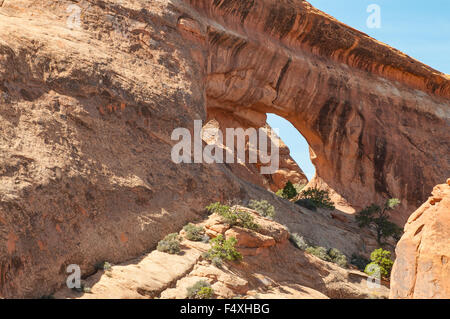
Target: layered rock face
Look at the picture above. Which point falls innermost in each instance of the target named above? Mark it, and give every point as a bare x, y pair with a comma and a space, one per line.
91, 91
422, 267
376, 120
86, 116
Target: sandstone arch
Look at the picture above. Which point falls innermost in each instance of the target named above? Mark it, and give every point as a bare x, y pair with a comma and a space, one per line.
376, 119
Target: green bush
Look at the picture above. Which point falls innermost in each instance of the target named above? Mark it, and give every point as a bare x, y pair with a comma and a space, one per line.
381, 263
217, 208
332, 255
376, 217
263, 208
359, 261
87, 290
337, 257
232, 216
194, 233
200, 290
106, 266
246, 220
307, 203
170, 244
223, 249
319, 198
298, 241
289, 191
318, 251
279, 193
83, 288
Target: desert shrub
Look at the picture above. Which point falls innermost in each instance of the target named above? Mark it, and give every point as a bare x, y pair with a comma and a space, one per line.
307, 203
359, 261
170, 244
299, 187
332, 255
279, 193
83, 288
217, 208
246, 220
263, 208
217, 261
200, 290
320, 198
337, 257
318, 251
298, 241
289, 191
205, 293
194, 233
233, 216
106, 266
376, 217
223, 249
381, 263
87, 290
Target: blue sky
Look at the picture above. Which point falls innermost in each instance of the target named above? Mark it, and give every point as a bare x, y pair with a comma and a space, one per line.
419, 28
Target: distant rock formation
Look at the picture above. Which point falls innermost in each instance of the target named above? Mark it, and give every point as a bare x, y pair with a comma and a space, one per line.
288, 169
422, 267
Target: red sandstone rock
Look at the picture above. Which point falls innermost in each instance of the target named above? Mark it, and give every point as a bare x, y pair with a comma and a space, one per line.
279, 271
365, 108
249, 239
86, 116
422, 267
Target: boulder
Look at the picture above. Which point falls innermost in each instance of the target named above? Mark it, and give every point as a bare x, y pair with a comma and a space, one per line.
422, 267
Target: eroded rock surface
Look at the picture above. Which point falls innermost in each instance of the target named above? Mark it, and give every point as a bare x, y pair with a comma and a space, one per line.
271, 268
376, 120
87, 110
422, 267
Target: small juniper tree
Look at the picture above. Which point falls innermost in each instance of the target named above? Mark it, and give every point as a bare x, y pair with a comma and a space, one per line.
289, 191
381, 263
317, 197
223, 249
376, 217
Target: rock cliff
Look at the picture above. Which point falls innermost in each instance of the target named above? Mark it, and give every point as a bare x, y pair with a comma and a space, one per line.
91, 90
422, 267
370, 113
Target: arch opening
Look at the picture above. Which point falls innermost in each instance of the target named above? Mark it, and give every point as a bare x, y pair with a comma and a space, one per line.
295, 141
